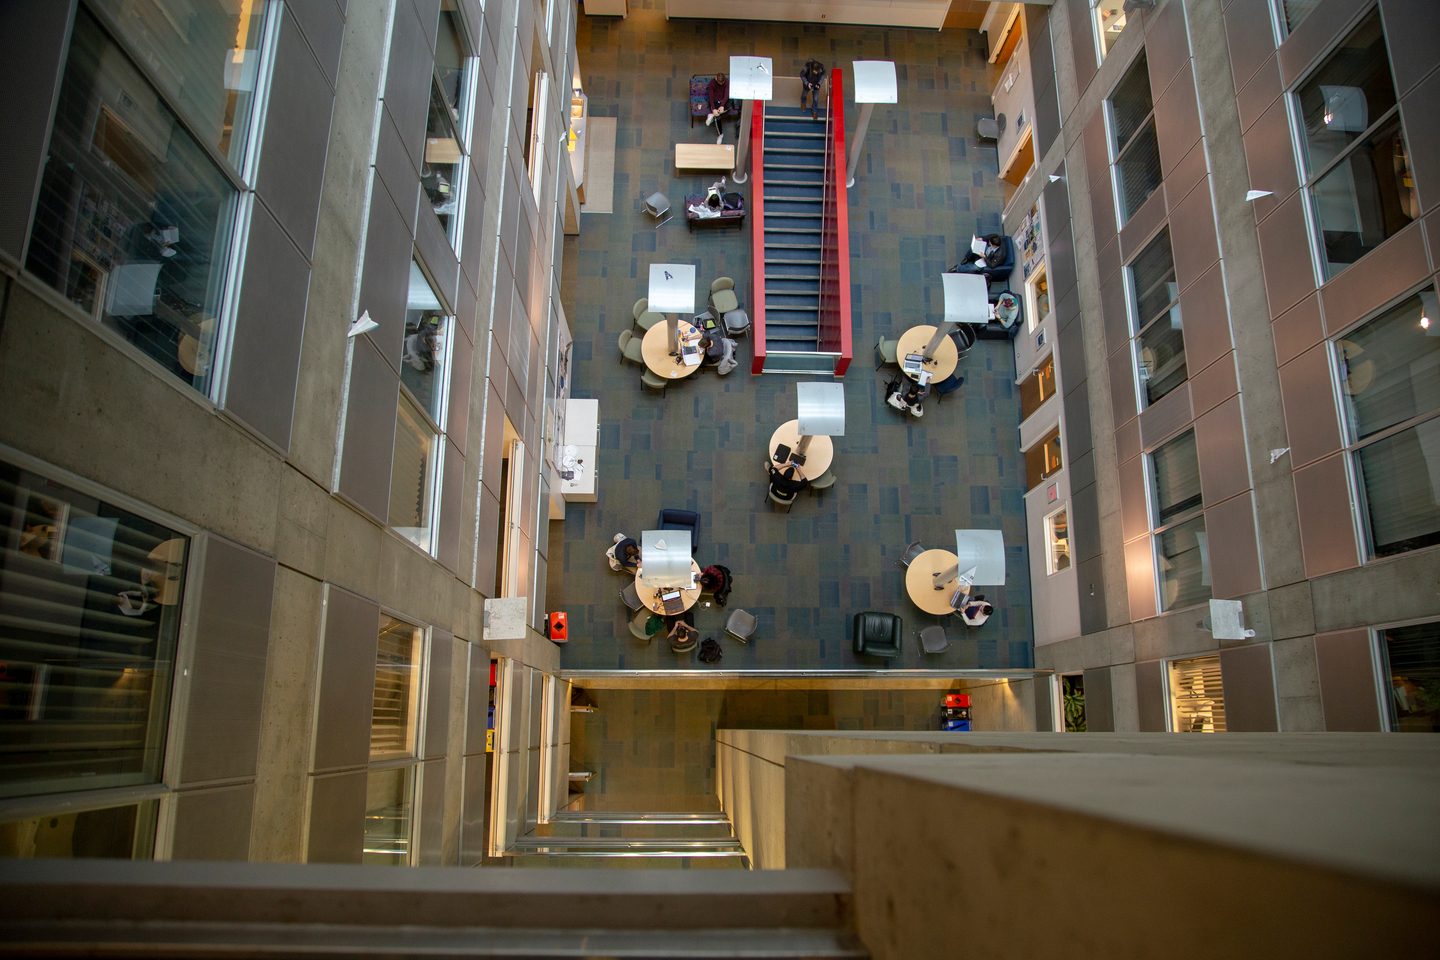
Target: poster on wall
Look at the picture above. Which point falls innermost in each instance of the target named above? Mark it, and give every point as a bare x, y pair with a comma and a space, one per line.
1031, 251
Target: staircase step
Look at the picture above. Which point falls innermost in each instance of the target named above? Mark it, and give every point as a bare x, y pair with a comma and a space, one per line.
818, 168
799, 151
806, 263
801, 230
771, 306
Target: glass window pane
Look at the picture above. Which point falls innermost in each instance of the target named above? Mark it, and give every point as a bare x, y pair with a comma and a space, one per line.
1400, 476
1160, 358
1130, 104
412, 473
1138, 171
1057, 540
426, 329
90, 608
1038, 287
1197, 696
1412, 664
1366, 198
444, 158
133, 219
1176, 477
450, 63
1390, 367
1043, 459
205, 56
111, 833
397, 679
1109, 22
1351, 90
1297, 10
1152, 280
1183, 556
387, 817
1037, 388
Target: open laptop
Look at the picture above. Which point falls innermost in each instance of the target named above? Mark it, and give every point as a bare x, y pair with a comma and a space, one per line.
672, 603
913, 362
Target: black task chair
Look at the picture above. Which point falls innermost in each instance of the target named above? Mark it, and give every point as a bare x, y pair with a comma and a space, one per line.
673, 519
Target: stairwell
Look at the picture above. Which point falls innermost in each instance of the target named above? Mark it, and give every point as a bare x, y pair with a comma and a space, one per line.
595, 838
794, 185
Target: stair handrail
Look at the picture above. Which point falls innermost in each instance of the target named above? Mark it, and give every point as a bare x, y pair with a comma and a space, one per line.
835, 236
757, 238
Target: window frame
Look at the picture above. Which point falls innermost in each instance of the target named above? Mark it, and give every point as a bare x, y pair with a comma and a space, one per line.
1139, 326
1158, 529
1032, 318
411, 762
1047, 532
241, 180
1351, 444
1170, 668
1058, 435
1097, 34
177, 696
464, 129
1380, 662
437, 426
1118, 153
1307, 178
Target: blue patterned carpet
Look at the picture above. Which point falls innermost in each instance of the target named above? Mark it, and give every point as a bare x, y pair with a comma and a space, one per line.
924, 186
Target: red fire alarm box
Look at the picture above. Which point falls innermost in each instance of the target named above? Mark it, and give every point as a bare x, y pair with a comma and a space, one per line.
957, 699
558, 627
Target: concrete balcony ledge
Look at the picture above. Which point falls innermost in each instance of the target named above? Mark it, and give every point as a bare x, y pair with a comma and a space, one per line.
55, 894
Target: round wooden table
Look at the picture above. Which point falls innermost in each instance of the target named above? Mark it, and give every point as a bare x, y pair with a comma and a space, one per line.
920, 583
656, 350
817, 458
688, 595
947, 356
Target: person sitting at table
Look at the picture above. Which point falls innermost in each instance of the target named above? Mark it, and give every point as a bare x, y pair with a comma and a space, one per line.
715, 580
907, 395
624, 554
721, 106
786, 482
975, 611
682, 633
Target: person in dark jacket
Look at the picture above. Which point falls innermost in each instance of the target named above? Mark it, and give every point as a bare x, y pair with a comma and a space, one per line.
811, 76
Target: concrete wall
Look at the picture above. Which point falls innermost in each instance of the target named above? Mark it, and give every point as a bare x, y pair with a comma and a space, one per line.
1282, 528
287, 472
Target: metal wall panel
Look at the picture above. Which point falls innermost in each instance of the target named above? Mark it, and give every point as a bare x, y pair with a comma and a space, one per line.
1097, 171
1134, 508
1307, 393
462, 355
1143, 224
396, 170
1090, 576
212, 824
385, 274
477, 697
1177, 120
1285, 256
474, 790
427, 12
347, 680
1150, 696
1061, 259
1192, 235
369, 431
430, 816
221, 728
472, 247
489, 537
1099, 706
1382, 275
1121, 367
1303, 48
269, 326
1077, 421
1422, 130
1297, 330
1411, 28
436, 741
451, 515
1259, 93
494, 440
1214, 385
1166, 417
1140, 578
1270, 155
33, 35
1346, 668
1167, 45
436, 253
323, 25
297, 130
1187, 173
337, 818
1082, 43
407, 80
1322, 500
1220, 448
1234, 554
1248, 676
1247, 37
1206, 320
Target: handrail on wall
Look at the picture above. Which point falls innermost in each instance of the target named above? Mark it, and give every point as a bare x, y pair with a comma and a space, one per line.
757, 237
835, 332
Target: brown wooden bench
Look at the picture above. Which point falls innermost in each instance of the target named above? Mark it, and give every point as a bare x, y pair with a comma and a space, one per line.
735, 217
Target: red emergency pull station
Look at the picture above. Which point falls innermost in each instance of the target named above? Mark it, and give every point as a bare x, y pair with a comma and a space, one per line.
558, 626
